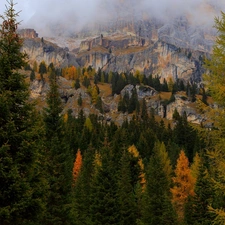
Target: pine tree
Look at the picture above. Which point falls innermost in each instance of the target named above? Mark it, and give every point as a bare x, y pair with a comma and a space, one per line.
23, 186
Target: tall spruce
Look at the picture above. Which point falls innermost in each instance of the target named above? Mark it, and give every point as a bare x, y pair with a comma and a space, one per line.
60, 159
22, 183
157, 205
197, 207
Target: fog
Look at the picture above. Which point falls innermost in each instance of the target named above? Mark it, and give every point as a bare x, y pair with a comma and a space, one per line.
73, 15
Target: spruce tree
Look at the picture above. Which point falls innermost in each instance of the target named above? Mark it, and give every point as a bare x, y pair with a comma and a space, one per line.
104, 202
22, 182
60, 159
197, 208
126, 197
157, 208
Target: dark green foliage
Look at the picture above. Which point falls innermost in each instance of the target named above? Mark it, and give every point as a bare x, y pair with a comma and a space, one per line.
80, 101
42, 69
86, 82
23, 185
59, 158
185, 135
32, 75
204, 96
157, 208
128, 211
104, 202
81, 190
197, 208
77, 84
99, 104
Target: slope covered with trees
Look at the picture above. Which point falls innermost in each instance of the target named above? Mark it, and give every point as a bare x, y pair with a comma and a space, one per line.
58, 169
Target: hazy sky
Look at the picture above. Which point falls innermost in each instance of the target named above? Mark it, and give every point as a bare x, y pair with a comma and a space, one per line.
74, 14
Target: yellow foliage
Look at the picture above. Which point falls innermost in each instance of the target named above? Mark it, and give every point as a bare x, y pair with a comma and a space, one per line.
133, 150
65, 117
184, 184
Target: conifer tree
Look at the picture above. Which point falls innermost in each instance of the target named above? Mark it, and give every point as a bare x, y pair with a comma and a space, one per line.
197, 208
158, 208
77, 165
128, 211
104, 202
183, 185
60, 159
215, 82
22, 184
81, 191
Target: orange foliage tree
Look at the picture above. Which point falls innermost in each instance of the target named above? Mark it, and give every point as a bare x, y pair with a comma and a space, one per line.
183, 184
77, 165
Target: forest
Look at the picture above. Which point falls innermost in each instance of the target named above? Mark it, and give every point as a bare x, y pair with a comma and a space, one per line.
58, 169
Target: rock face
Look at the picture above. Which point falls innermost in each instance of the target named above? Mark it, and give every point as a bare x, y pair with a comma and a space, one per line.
131, 54
173, 49
28, 33
40, 50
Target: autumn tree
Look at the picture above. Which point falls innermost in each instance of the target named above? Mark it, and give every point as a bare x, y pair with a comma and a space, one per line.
215, 82
183, 185
77, 165
23, 185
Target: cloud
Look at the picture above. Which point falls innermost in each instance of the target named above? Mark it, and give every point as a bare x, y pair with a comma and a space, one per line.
72, 15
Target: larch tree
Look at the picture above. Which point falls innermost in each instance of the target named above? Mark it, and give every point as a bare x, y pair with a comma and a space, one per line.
77, 165
183, 185
215, 82
22, 184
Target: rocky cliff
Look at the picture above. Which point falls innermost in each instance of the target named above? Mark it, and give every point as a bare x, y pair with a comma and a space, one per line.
130, 53
172, 49
39, 49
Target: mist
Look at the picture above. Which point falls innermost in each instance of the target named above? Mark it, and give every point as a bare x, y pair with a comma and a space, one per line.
73, 15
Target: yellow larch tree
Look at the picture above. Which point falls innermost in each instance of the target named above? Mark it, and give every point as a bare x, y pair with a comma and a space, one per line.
77, 165
183, 185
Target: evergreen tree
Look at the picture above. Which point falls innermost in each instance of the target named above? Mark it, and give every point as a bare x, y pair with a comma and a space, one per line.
42, 69
158, 208
104, 202
60, 160
77, 84
126, 197
32, 75
197, 208
23, 186
81, 191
